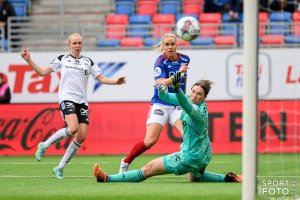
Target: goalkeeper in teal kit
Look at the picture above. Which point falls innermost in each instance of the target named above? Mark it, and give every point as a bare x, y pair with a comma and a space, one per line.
195, 151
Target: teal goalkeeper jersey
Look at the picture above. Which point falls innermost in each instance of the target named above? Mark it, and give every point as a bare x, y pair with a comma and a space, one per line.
194, 118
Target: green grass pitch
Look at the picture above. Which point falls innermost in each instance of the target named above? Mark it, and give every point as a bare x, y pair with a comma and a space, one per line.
25, 178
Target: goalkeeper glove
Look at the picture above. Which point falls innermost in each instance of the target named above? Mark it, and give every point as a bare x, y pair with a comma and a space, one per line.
176, 79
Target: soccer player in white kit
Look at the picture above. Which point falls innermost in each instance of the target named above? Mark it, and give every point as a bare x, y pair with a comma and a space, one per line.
75, 70
161, 111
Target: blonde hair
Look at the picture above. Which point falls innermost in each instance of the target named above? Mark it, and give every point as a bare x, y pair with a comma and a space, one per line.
71, 36
159, 46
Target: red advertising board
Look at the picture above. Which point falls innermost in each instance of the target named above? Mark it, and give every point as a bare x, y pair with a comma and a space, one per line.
116, 127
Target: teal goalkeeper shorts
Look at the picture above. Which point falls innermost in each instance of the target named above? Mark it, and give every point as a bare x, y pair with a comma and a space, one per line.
178, 164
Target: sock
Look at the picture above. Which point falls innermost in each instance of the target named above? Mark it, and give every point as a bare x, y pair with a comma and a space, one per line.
137, 150
130, 176
70, 153
56, 137
212, 177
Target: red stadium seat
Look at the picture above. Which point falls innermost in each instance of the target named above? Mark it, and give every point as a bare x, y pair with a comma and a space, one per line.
116, 26
147, 8
115, 32
263, 17
296, 29
182, 43
296, 16
210, 30
132, 42
192, 8
225, 40
163, 23
210, 18
263, 20
272, 39
116, 19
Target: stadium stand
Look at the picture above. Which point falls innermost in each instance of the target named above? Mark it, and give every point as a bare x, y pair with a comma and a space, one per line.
106, 23
132, 42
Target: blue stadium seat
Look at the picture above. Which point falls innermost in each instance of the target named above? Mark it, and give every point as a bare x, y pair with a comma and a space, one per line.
280, 17
103, 42
203, 41
179, 16
221, 2
279, 30
5, 44
19, 1
126, 8
20, 9
292, 39
140, 19
139, 26
169, 7
151, 41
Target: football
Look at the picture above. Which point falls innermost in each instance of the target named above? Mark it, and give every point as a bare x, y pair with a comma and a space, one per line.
188, 28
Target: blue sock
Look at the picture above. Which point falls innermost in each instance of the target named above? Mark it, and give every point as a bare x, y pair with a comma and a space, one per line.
130, 176
212, 177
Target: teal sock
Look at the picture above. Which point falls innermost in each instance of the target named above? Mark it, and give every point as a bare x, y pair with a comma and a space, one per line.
130, 176
212, 177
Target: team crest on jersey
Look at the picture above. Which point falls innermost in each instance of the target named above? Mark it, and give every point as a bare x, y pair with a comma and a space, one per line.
76, 62
157, 71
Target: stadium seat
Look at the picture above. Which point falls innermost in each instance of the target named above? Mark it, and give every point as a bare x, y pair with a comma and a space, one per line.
179, 16
279, 29
263, 19
116, 26
140, 19
131, 42
20, 9
210, 30
292, 39
192, 8
296, 29
151, 41
210, 18
272, 39
126, 8
280, 17
104, 42
5, 44
225, 40
296, 16
230, 29
146, 7
117, 19
163, 24
169, 7
182, 43
203, 41
139, 26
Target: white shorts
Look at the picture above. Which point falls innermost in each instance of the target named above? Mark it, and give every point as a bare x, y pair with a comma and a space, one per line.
160, 114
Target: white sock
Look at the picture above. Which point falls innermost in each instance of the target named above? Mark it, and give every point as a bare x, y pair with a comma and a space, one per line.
56, 137
70, 153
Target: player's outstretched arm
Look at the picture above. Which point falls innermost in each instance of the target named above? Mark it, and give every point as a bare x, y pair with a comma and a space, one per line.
103, 79
42, 71
164, 95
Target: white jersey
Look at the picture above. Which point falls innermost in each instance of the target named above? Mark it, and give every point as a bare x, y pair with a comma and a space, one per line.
74, 77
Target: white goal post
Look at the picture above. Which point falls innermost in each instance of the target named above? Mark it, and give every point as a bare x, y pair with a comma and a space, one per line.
249, 157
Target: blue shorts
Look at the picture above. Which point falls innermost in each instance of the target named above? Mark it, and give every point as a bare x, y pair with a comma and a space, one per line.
177, 163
